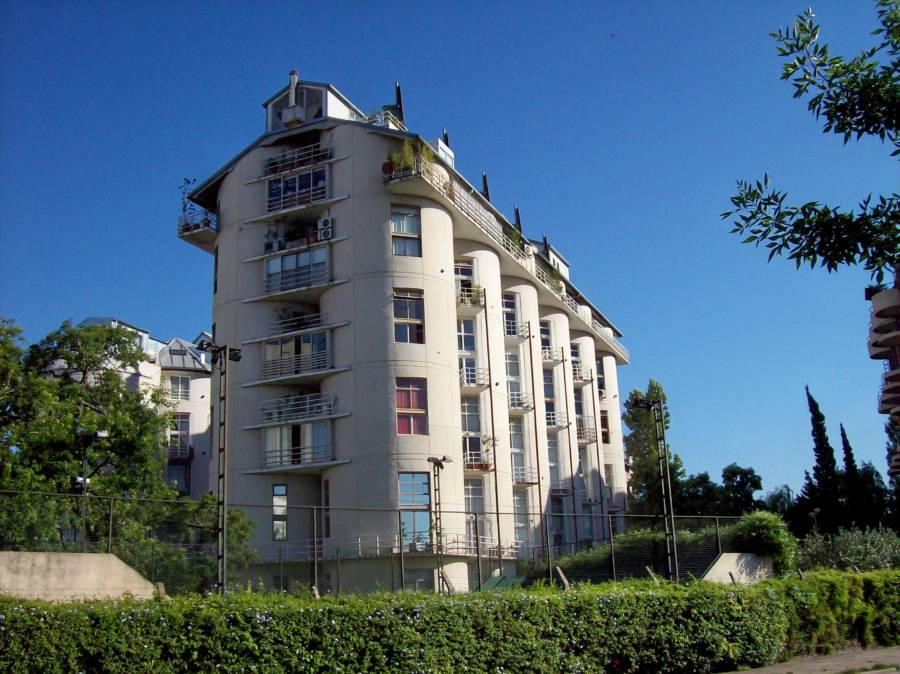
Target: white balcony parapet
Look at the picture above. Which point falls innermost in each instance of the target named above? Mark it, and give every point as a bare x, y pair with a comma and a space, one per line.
297, 278
292, 409
520, 400
524, 475
474, 377
291, 160
300, 364
478, 460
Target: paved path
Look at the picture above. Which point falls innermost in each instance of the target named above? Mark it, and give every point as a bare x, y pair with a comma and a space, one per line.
852, 661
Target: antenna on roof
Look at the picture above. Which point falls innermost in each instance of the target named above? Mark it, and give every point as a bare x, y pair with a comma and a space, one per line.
398, 101
518, 221
445, 137
485, 188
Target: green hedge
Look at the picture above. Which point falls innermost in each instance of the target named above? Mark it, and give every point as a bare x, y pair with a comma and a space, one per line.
624, 627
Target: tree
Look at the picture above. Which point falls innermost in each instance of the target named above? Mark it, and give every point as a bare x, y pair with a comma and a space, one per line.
780, 500
855, 499
697, 495
641, 448
856, 97
738, 487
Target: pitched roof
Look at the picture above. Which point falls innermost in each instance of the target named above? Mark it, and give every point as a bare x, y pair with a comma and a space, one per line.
180, 354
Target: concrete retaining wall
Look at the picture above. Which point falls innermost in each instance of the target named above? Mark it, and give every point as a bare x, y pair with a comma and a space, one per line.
745, 567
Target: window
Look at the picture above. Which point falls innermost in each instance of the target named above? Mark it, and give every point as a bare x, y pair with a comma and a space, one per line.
298, 189
471, 430
178, 475
577, 372
601, 377
412, 407
297, 270
409, 316
604, 426
279, 512
579, 404
406, 232
464, 273
510, 317
299, 443
546, 341
553, 458
415, 520
295, 355
465, 335
179, 388
608, 477
520, 508
513, 376
549, 389
474, 495
517, 448
180, 433
468, 370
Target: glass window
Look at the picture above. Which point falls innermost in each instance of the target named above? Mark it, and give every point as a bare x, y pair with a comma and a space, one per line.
409, 316
546, 341
178, 475
474, 496
179, 387
549, 390
406, 232
413, 489
415, 528
608, 475
604, 426
601, 378
180, 431
412, 407
464, 273
279, 512
579, 403
465, 334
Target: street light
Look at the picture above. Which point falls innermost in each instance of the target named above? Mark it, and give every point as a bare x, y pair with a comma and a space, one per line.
437, 465
665, 481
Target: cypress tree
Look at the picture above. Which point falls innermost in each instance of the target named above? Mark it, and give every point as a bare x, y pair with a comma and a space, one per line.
853, 498
827, 492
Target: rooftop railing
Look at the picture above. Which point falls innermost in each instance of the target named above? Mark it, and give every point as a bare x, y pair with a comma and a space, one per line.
300, 364
296, 279
387, 119
614, 344
292, 409
291, 160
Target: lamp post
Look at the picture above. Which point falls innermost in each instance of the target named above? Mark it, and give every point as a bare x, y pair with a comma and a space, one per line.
665, 482
87, 437
437, 465
221, 355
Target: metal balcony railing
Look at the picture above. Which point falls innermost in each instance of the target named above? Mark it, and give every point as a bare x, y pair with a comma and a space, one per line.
291, 409
297, 278
291, 160
580, 375
556, 419
519, 400
561, 488
300, 364
386, 119
474, 377
585, 430
196, 220
614, 344
295, 456
295, 323
551, 354
478, 460
463, 197
179, 452
515, 329
524, 475
470, 297
299, 198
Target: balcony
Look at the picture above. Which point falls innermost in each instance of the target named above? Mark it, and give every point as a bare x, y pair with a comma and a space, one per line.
284, 326
478, 460
515, 331
300, 365
302, 197
479, 212
524, 476
296, 408
561, 488
199, 228
556, 420
297, 459
292, 160
386, 119
551, 354
180, 452
470, 300
579, 376
519, 402
292, 284
886, 304
585, 430
474, 378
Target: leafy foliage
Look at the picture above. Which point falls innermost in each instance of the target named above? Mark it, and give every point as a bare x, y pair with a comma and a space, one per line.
856, 97
767, 534
622, 628
851, 549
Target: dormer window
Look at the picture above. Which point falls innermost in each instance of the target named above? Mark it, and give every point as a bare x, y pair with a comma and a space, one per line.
309, 105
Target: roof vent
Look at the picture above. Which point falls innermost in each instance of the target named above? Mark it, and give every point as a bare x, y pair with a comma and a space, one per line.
292, 115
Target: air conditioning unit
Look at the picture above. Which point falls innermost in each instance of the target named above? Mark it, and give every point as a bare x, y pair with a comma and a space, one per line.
325, 229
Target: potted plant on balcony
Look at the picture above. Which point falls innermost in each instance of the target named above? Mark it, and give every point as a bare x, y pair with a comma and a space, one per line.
556, 279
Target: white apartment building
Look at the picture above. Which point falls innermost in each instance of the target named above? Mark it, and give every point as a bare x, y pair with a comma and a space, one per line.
389, 313
884, 344
179, 367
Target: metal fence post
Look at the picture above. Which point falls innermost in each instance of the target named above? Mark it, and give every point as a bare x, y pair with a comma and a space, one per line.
718, 537
109, 530
338, 569
612, 545
400, 547
315, 549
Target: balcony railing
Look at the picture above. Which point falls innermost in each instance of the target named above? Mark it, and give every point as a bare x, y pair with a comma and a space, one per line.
519, 400
180, 452
297, 278
478, 460
291, 409
551, 354
297, 456
474, 377
386, 119
585, 430
561, 488
515, 329
300, 364
614, 344
463, 197
291, 160
299, 198
556, 419
470, 297
295, 323
524, 475
197, 220
579, 375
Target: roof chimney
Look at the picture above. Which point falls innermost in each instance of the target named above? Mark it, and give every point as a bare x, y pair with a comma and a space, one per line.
518, 221
292, 88
398, 101
485, 188
446, 138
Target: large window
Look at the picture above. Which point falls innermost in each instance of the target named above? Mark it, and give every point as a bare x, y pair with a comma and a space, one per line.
513, 376
279, 512
297, 270
412, 407
546, 339
414, 497
406, 232
510, 317
180, 434
179, 387
520, 508
471, 430
299, 443
409, 316
601, 376
296, 190
604, 426
549, 393
295, 355
465, 335
553, 458
579, 403
517, 449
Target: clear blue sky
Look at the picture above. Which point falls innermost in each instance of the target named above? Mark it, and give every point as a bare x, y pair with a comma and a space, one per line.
618, 129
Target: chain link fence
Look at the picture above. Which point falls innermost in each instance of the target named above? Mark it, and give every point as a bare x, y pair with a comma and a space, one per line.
297, 548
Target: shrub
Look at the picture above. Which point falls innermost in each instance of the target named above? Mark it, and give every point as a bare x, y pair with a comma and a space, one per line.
851, 549
631, 627
766, 533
